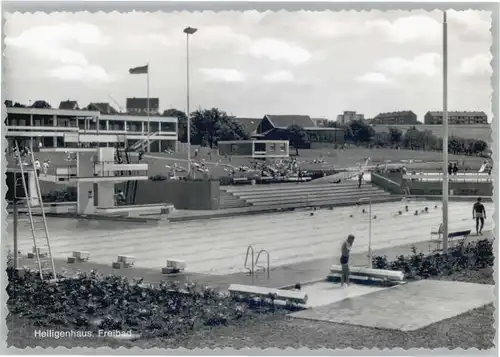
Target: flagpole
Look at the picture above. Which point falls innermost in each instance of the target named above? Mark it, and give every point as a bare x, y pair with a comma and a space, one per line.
445, 134
147, 103
188, 121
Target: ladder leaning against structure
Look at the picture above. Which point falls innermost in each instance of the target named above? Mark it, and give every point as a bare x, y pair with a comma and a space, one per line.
38, 227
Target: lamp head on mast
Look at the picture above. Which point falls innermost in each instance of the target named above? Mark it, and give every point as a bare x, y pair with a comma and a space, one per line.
190, 30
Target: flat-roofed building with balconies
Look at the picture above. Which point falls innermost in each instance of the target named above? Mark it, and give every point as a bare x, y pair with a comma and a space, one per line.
457, 118
61, 128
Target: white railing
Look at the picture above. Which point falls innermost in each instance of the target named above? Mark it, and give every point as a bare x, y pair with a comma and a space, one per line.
459, 177
143, 142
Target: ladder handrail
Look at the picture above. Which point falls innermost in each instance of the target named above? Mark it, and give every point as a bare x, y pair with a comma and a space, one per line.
39, 194
268, 261
28, 203
250, 249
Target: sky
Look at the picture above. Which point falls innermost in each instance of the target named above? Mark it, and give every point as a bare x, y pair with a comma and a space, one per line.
254, 63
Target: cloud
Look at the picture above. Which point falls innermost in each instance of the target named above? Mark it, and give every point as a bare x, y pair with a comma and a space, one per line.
476, 24
277, 50
374, 78
279, 77
57, 35
418, 28
476, 65
222, 75
50, 43
424, 64
220, 37
80, 74
336, 29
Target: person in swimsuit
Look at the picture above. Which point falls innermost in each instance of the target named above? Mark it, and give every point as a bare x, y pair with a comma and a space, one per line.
344, 259
479, 213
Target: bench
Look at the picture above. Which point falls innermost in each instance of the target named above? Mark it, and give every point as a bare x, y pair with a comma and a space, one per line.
79, 256
379, 274
123, 261
298, 297
137, 210
173, 266
452, 236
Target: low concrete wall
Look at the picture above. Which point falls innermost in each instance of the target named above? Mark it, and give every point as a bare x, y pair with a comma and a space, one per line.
189, 195
386, 183
458, 188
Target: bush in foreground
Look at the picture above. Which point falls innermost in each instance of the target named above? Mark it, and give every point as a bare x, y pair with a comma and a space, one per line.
94, 302
472, 256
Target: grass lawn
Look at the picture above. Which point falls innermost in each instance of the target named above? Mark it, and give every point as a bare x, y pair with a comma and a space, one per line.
333, 158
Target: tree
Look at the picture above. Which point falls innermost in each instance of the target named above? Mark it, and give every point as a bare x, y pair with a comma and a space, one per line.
381, 139
361, 132
41, 104
297, 137
211, 125
479, 146
395, 136
182, 122
411, 139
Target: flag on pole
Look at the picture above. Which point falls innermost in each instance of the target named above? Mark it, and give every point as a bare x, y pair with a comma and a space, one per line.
139, 70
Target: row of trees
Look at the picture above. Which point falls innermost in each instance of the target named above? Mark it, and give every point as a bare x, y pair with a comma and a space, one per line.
208, 126
413, 139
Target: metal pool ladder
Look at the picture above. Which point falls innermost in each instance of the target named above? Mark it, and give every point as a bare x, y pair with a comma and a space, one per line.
252, 270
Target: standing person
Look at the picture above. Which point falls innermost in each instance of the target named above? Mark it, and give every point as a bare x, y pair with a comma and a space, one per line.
455, 169
344, 259
45, 167
450, 169
360, 179
479, 213
37, 167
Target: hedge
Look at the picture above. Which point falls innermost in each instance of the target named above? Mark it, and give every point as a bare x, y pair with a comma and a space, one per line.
473, 255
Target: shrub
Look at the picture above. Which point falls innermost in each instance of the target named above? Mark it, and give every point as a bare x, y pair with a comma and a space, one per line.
93, 301
66, 195
474, 255
158, 178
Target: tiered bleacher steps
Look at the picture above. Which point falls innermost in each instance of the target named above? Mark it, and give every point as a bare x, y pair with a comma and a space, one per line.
305, 195
229, 200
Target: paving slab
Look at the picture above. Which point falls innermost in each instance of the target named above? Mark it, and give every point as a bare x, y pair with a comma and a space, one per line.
407, 307
325, 293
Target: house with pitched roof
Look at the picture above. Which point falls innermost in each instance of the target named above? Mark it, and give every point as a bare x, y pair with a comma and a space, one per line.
69, 105
274, 127
250, 125
139, 106
103, 108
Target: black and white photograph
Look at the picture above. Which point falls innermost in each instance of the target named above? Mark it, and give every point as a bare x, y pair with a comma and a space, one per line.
250, 179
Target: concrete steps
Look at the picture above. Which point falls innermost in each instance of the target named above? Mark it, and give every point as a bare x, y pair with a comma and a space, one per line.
302, 195
228, 200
